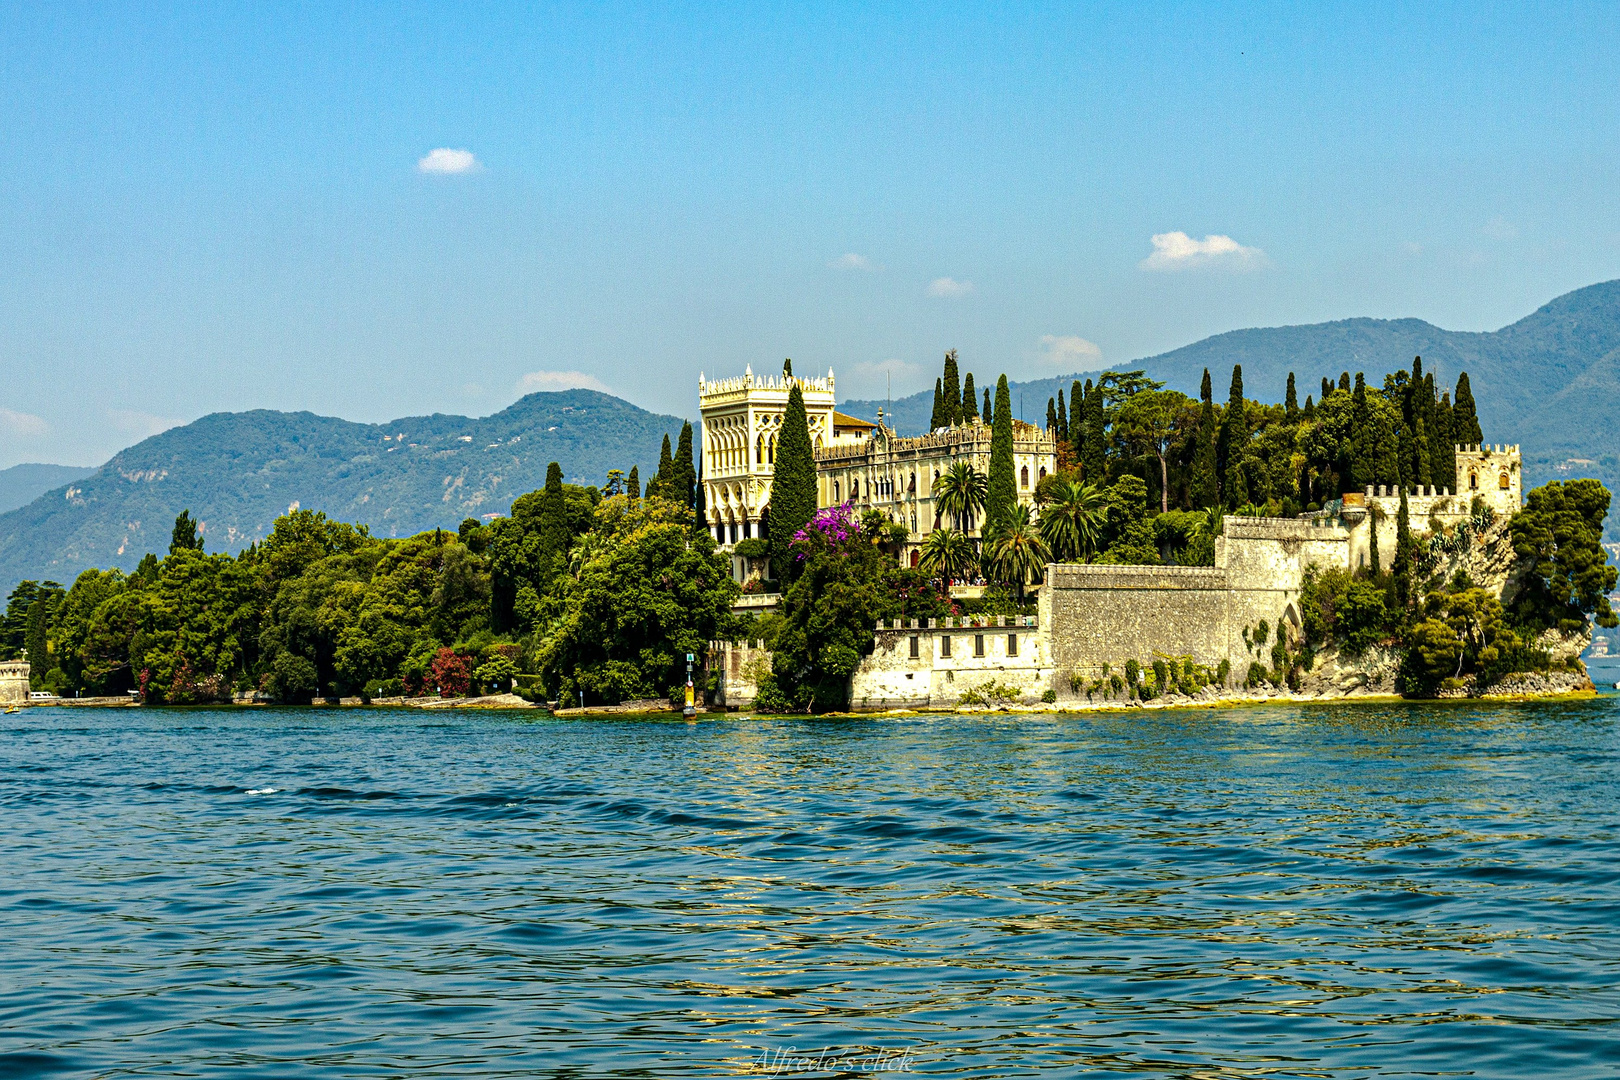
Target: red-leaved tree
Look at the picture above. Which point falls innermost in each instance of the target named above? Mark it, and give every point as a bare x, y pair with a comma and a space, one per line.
451, 673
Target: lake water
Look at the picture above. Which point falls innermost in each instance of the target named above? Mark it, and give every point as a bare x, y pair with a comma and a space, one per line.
1347, 891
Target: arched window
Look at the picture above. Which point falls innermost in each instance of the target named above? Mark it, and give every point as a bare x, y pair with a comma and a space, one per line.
911, 486
836, 499
1473, 481
770, 451
1043, 472
1023, 476
759, 450
1502, 481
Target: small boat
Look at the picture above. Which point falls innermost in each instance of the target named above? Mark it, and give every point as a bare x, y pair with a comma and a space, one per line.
12, 709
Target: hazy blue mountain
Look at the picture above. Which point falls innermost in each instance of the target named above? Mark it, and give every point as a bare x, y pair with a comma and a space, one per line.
237, 471
22, 484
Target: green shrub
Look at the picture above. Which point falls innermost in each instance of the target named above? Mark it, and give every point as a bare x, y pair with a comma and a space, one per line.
990, 695
1161, 675
1049, 696
1133, 673
1257, 675
1222, 671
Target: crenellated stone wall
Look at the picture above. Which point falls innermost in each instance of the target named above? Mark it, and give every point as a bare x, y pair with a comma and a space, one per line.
14, 682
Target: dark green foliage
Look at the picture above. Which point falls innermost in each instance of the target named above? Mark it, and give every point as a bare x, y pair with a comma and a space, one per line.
1232, 445
1401, 568
1003, 482
1558, 537
970, 399
1062, 418
793, 485
951, 391
1291, 402
185, 536
937, 420
1077, 420
14, 630
1466, 418
683, 472
844, 585
1052, 417
989, 414
666, 464
36, 640
1362, 447
1093, 460
1129, 528
1204, 485
1445, 445
1335, 606
632, 483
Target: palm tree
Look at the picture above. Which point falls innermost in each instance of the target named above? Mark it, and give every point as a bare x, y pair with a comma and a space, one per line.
1018, 553
1072, 521
961, 492
947, 554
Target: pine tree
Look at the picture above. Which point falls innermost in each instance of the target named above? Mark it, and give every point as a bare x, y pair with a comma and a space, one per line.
1096, 461
1205, 486
989, 413
951, 394
683, 477
37, 639
185, 537
970, 400
793, 486
1466, 420
1344, 381
1003, 494
1062, 418
1402, 567
1361, 436
1291, 401
632, 483
1232, 443
1051, 417
937, 422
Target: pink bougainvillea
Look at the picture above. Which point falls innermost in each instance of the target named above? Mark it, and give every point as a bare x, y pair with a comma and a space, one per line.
832, 526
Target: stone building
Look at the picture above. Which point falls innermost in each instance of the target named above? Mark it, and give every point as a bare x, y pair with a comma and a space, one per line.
1094, 618
13, 682
896, 475
741, 420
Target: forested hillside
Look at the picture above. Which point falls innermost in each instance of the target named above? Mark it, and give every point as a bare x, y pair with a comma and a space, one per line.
236, 472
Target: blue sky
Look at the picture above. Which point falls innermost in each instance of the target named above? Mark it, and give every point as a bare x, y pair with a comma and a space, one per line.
212, 209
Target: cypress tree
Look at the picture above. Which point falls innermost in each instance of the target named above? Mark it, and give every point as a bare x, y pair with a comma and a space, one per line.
1445, 443
553, 521
1402, 566
1291, 401
935, 423
1385, 451
1465, 419
1309, 412
1096, 462
1403, 457
793, 487
1063, 419
1344, 381
1003, 495
1051, 417
1361, 436
683, 477
1231, 444
632, 483
1431, 418
1205, 487
700, 502
989, 413
1327, 387
36, 640
666, 462
1372, 537
970, 399
1077, 420
1420, 445
951, 396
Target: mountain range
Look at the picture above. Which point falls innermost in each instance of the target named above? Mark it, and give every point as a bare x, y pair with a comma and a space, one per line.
237, 472
1545, 382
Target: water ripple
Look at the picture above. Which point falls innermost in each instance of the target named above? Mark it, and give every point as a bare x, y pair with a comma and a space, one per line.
1376, 891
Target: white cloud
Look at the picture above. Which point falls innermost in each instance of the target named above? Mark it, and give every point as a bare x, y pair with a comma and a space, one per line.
22, 425
552, 381
445, 160
851, 261
1068, 351
1178, 251
142, 425
949, 287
